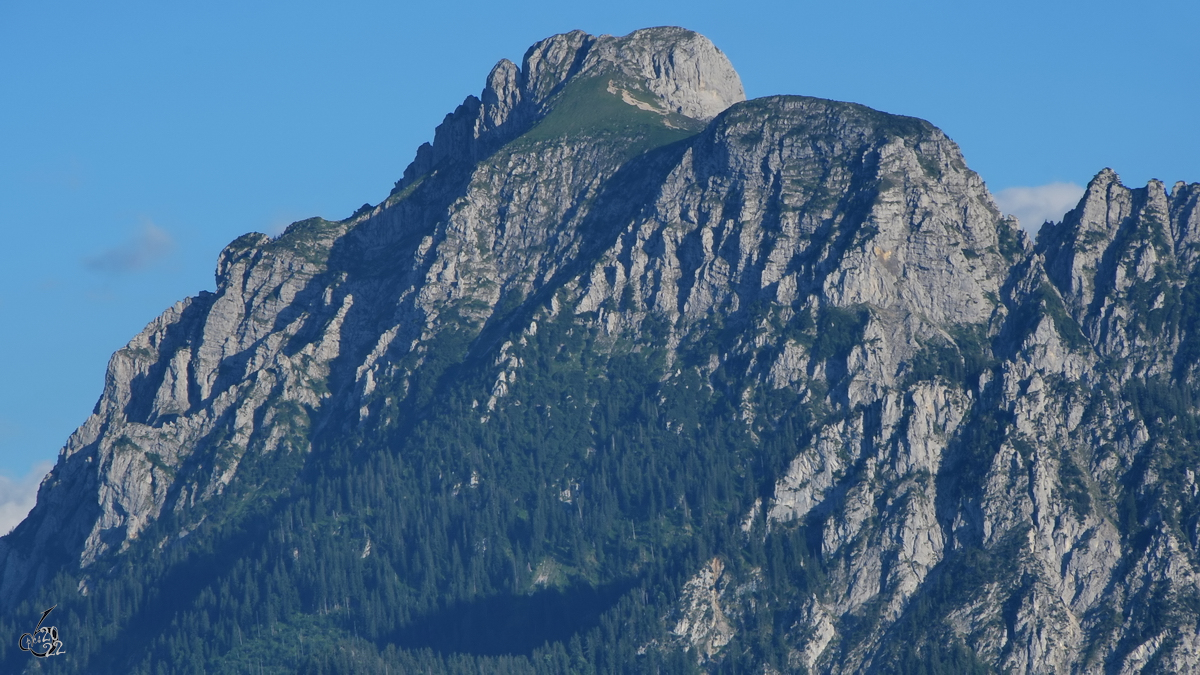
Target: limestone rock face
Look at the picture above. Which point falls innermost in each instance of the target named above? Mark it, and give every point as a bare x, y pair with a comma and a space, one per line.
939, 439
212, 377
686, 71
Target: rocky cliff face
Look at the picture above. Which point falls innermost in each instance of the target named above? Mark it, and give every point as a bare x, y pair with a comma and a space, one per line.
869, 425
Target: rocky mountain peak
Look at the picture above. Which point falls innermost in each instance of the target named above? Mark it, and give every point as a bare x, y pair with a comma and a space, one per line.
666, 70
1116, 233
687, 381
683, 69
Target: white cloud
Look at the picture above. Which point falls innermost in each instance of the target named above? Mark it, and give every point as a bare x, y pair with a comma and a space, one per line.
17, 496
1035, 205
149, 246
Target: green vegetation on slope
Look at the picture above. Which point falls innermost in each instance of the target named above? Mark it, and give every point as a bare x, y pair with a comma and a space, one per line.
594, 108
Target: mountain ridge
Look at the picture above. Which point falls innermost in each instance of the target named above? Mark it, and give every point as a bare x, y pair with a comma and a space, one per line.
860, 420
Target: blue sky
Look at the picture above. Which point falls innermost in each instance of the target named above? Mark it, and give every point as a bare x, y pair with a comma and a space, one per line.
138, 138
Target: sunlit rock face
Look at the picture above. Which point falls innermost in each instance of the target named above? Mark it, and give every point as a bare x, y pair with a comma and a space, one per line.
771, 385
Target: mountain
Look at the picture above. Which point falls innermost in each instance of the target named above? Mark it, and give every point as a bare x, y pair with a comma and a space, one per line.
630, 374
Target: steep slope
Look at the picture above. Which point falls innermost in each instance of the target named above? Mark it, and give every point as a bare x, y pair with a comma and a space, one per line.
630, 374
250, 364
